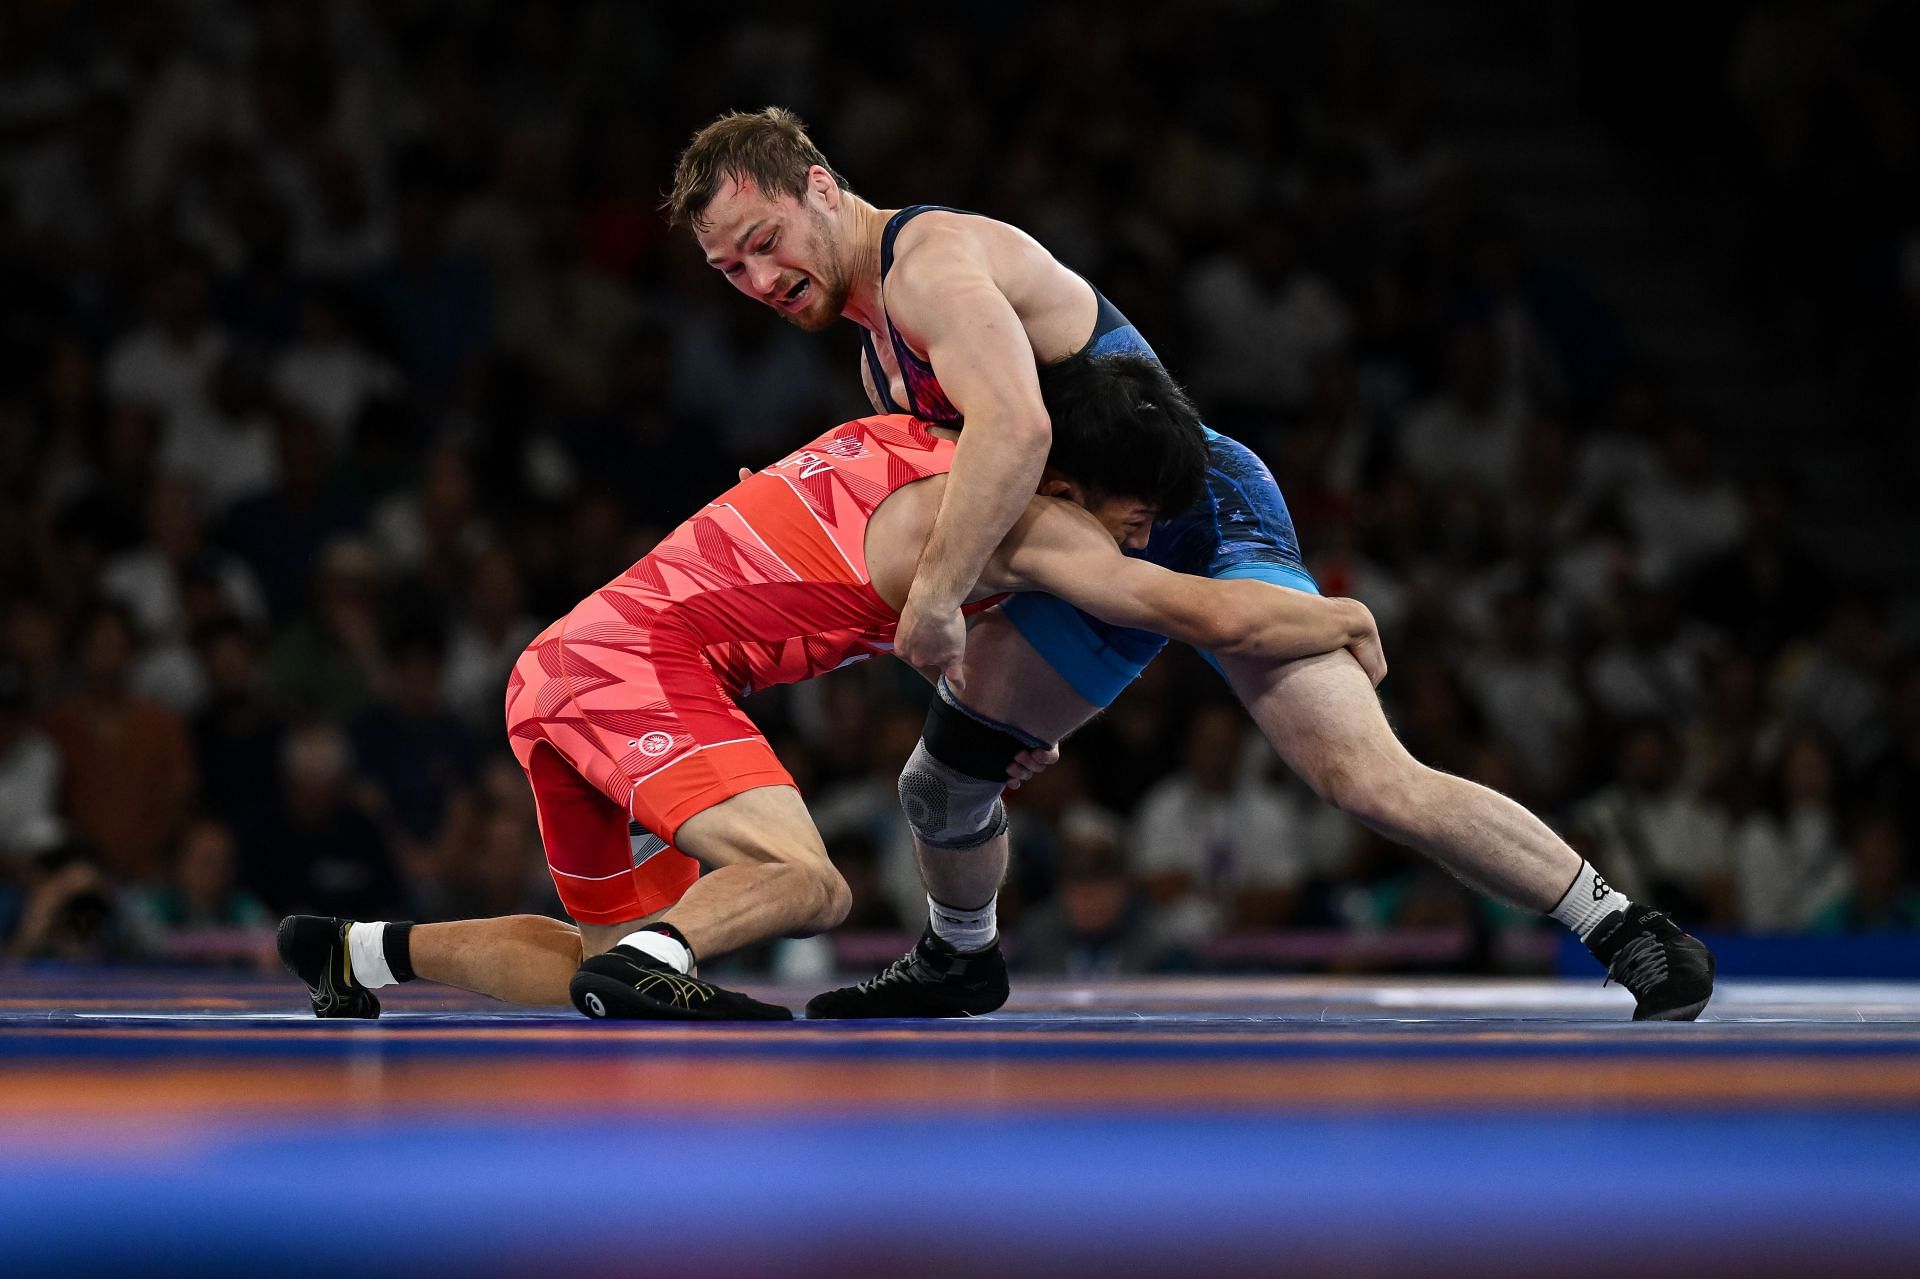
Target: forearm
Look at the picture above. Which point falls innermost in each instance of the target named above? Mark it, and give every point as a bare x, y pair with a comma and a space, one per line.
995, 472
1274, 623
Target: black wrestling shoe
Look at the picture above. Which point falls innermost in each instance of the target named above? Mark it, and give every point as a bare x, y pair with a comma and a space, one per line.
314, 949
931, 980
1669, 972
627, 985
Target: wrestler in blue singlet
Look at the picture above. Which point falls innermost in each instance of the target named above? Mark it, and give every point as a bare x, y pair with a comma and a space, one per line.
1240, 528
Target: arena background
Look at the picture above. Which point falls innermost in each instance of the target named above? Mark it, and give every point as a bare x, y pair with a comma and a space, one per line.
342, 347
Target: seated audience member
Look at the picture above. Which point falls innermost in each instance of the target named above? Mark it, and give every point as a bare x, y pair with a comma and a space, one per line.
1660, 841
29, 775
1789, 859
322, 853
1215, 849
199, 901
127, 761
1881, 895
1094, 924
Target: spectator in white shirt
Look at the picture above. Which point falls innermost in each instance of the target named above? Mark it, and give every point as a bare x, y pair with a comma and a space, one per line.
1790, 857
225, 443
1216, 850
329, 376
29, 776
1660, 842
165, 365
1263, 321
1472, 431
1686, 512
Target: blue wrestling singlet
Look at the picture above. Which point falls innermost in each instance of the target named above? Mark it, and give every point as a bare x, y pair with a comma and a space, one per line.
1240, 528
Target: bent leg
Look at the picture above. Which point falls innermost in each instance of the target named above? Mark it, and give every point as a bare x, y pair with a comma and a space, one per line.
771, 876
1322, 715
1007, 681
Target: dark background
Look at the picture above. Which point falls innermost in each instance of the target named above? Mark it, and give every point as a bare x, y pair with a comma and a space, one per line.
342, 347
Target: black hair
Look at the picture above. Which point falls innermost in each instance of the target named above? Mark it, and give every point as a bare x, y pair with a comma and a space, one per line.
1122, 427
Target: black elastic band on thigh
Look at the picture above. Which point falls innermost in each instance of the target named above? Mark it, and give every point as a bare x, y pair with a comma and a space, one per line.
969, 743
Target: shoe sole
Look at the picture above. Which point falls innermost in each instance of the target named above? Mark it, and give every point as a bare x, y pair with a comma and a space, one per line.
824, 1015
1685, 1012
610, 999
813, 1015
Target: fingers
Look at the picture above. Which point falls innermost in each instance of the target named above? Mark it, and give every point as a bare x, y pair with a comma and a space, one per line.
745, 471
1375, 662
1029, 763
1372, 659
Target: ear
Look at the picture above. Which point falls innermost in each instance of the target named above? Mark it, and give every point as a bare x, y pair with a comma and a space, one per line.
820, 183
1054, 484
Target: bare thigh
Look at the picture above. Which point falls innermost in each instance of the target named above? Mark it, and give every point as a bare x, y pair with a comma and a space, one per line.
1007, 680
1324, 718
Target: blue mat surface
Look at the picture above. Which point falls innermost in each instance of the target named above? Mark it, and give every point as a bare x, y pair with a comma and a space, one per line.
164, 1124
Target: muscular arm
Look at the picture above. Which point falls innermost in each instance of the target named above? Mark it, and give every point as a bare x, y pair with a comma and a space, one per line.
943, 298
1058, 548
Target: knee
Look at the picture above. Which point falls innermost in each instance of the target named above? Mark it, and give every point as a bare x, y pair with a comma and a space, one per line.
839, 901
946, 808
828, 899
950, 787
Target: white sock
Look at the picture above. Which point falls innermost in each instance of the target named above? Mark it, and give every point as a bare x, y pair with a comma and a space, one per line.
662, 947
367, 952
965, 930
1587, 901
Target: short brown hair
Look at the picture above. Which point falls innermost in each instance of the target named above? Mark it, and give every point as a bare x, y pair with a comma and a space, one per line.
768, 147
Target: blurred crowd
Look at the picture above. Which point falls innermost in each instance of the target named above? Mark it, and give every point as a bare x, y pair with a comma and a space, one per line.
343, 347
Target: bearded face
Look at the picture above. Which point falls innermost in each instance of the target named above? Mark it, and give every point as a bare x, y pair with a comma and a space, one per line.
780, 251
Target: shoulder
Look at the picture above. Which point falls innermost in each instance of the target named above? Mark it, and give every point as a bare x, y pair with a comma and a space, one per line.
938, 246
931, 252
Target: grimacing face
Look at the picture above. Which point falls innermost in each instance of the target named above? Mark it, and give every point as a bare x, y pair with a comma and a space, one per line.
779, 250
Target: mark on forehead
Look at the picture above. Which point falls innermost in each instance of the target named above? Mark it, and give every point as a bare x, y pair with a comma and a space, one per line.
739, 244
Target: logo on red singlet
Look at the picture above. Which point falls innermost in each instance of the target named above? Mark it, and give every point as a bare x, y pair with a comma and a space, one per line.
655, 743
845, 447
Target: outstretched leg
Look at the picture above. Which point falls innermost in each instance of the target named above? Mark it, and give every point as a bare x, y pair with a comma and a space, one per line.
1323, 717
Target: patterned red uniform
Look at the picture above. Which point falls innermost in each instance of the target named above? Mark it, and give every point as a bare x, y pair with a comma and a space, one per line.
624, 708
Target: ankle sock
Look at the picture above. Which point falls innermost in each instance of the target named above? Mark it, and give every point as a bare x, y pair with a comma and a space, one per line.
966, 931
663, 942
380, 953
1587, 901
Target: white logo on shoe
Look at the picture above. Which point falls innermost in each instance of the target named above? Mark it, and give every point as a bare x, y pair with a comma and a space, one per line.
595, 1006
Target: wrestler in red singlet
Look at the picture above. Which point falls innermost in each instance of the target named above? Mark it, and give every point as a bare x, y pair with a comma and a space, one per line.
626, 706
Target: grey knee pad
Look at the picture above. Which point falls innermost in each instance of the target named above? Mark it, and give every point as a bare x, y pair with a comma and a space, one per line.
947, 808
